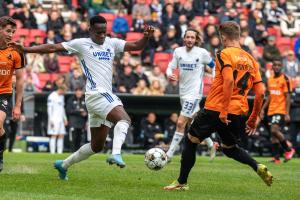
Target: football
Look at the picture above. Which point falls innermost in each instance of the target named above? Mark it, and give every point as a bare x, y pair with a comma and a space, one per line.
155, 159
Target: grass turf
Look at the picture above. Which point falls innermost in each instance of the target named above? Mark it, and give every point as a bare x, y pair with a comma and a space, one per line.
31, 176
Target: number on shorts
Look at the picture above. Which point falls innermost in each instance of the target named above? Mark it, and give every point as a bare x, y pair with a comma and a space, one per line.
188, 106
276, 119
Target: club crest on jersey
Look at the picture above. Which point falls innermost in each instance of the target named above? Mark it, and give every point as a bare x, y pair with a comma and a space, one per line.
9, 57
103, 55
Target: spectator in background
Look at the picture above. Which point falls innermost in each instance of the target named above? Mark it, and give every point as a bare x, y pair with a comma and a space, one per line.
128, 5
270, 50
170, 127
155, 44
255, 18
187, 10
74, 22
57, 119
157, 74
33, 75
138, 23
297, 48
140, 75
230, 15
141, 88
120, 24
49, 87
169, 40
154, 21
37, 41
248, 40
260, 34
76, 80
97, 6
283, 5
29, 87
51, 63
156, 88
156, 7
77, 115
55, 22
60, 81
199, 7
83, 30
214, 6
41, 18
274, 14
35, 62
172, 88
213, 45
210, 30
50, 38
169, 17
291, 65
126, 81
26, 17
182, 24
142, 9
288, 25
150, 130
3, 9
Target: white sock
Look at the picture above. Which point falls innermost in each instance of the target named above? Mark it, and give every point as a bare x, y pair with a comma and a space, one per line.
52, 145
81, 154
120, 132
175, 143
60, 145
209, 142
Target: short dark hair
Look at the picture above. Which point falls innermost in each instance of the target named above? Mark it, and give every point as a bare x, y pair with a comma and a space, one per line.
5, 20
279, 59
97, 20
230, 29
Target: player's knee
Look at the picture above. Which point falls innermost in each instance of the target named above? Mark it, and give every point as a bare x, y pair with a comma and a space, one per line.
274, 129
228, 150
181, 124
2, 131
96, 148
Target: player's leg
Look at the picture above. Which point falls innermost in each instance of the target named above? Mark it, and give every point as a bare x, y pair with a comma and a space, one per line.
12, 134
122, 121
229, 135
98, 138
52, 144
202, 126
2, 137
275, 150
60, 143
178, 135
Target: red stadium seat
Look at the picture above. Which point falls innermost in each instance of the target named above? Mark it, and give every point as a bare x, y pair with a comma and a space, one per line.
163, 65
159, 56
37, 32
64, 63
284, 43
108, 16
129, 20
273, 31
22, 31
64, 68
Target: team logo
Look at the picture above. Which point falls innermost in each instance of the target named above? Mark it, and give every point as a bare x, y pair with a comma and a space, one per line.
91, 47
9, 57
197, 60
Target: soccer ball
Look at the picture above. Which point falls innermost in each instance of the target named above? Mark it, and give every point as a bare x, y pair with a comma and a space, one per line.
155, 159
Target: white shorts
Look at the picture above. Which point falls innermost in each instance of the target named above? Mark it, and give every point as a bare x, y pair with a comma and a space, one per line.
189, 107
58, 128
99, 104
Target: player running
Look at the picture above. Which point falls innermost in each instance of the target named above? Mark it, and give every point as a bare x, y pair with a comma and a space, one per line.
236, 73
10, 62
191, 61
278, 103
96, 55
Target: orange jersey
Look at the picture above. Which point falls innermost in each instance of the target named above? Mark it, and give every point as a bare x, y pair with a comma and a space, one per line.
245, 73
277, 88
10, 60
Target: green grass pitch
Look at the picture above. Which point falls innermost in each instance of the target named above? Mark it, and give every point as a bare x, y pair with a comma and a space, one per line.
31, 176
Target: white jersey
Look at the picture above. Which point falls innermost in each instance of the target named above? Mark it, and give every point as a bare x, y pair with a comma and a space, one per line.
191, 66
56, 108
96, 60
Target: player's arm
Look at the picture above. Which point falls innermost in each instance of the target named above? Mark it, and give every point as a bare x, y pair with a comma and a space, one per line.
259, 91
288, 106
44, 48
140, 44
228, 83
19, 93
265, 105
171, 66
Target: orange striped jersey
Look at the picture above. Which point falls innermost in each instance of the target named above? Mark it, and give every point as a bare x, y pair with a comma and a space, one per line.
245, 73
277, 89
10, 60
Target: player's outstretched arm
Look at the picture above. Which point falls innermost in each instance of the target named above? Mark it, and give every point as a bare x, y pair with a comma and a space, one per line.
140, 44
259, 90
228, 83
44, 48
19, 93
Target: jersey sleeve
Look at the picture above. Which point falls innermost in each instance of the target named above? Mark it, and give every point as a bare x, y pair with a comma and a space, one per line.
173, 64
19, 60
224, 59
286, 85
118, 45
73, 46
257, 75
207, 60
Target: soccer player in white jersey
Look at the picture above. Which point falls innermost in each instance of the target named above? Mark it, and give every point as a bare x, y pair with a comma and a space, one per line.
96, 55
57, 119
191, 61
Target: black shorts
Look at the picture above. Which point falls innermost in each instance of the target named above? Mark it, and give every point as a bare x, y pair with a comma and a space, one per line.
5, 102
276, 119
207, 122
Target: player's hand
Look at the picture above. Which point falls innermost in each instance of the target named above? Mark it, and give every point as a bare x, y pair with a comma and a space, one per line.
173, 77
148, 31
251, 125
223, 118
287, 118
16, 113
16, 46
